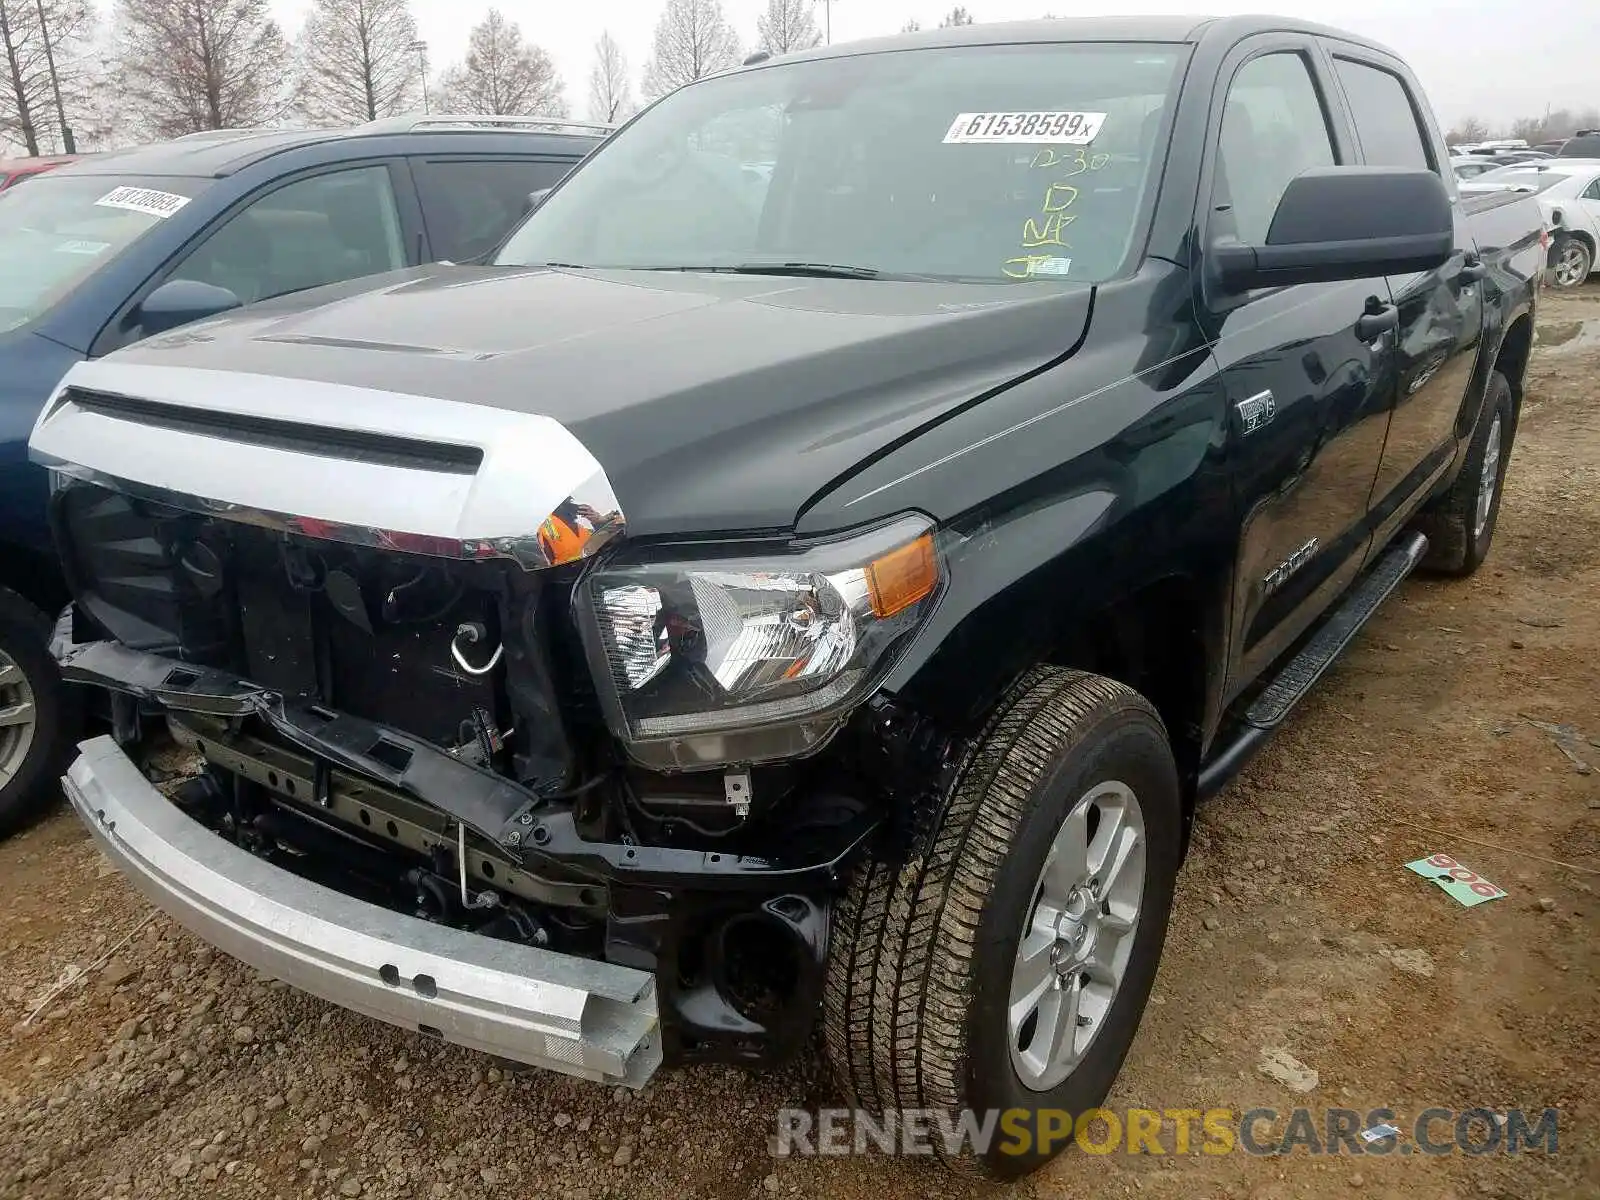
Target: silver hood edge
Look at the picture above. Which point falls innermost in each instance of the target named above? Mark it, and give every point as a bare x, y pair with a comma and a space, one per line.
531, 467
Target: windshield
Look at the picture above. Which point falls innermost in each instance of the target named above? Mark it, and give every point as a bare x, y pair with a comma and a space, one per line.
982, 163
60, 229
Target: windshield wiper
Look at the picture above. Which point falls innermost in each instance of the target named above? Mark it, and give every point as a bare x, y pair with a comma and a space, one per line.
813, 270
816, 270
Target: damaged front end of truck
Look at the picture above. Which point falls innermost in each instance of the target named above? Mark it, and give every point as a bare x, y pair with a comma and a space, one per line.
471, 762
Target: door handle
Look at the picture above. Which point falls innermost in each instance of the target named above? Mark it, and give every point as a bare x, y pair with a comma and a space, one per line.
1473, 269
1376, 321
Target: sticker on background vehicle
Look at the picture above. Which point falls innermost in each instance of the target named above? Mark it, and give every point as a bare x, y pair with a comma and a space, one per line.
1010, 128
143, 200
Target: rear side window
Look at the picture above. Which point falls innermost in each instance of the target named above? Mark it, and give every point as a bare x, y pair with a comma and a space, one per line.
469, 205
1386, 120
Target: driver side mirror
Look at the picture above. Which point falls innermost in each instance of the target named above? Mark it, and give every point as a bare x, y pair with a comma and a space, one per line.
535, 199
1338, 223
180, 301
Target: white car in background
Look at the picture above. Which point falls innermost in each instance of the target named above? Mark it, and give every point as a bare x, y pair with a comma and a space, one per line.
1568, 190
1470, 166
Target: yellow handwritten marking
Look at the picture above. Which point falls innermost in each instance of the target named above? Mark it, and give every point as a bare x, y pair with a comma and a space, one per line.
1075, 159
1027, 263
1049, 234
1058, 197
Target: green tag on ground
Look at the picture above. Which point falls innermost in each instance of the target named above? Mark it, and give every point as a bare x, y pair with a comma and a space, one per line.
1463, 883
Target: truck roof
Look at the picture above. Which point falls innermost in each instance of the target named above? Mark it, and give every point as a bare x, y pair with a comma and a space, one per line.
220, 152
1086, 29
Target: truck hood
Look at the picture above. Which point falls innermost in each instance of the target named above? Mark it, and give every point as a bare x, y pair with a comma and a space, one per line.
713, 402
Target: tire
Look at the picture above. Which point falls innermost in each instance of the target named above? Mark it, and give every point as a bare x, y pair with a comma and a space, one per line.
1570, 263
1459, 531
921, 972
38, 717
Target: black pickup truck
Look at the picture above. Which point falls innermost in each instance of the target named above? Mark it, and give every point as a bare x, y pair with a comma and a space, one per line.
812, 574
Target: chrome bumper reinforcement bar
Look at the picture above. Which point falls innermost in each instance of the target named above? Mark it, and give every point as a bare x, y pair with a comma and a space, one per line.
592, 1019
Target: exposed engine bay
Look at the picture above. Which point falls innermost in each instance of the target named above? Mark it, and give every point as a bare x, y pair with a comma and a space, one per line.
423, 735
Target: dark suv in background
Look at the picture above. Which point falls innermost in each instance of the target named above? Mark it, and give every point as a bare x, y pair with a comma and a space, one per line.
102, 252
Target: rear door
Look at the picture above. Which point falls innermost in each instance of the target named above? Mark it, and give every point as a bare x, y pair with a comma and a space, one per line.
1310, 394
469, 203
1441, 311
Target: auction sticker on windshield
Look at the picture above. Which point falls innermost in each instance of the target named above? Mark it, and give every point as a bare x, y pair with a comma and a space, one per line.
1032, 128
143, 200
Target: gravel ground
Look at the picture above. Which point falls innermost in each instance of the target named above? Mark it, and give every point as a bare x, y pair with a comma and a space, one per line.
173, 1071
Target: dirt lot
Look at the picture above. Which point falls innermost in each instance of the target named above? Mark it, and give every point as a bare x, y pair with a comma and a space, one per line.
174, 1071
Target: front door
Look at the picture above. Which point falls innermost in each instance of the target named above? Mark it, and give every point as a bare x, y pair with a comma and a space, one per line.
1309, 383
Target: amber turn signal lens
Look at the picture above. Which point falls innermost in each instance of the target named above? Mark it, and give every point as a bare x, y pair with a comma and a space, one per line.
902, 577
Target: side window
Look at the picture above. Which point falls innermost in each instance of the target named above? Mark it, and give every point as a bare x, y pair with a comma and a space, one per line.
1386, 120
1273, 128
324, 229
1592, 192
469, 205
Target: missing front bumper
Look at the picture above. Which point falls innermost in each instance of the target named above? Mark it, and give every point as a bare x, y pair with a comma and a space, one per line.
592, 1019
537, 831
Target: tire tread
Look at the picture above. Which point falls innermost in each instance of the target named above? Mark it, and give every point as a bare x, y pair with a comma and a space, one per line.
900, 980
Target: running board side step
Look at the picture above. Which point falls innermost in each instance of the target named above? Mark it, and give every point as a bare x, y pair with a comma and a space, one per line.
1300, 674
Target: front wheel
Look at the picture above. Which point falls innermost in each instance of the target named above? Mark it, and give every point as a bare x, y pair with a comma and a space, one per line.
1571, 263
1005, 968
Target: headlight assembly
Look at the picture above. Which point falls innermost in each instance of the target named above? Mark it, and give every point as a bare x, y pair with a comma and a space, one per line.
721, 659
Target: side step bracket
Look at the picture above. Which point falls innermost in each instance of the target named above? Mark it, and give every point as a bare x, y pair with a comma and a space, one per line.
1297, 677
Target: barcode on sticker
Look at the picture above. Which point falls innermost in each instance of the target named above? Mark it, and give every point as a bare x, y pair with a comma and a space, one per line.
143, 200
1031, 128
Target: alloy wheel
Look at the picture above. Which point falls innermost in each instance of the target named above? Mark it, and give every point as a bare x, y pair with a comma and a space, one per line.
1078, 936
18, 718
1488, 479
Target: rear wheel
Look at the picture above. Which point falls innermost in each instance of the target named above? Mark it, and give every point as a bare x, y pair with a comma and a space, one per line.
1571, 263
1007, 965
37, 716
1460, 524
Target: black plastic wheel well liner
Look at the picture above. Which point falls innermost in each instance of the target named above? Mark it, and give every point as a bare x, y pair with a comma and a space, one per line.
34, 576
1515, 349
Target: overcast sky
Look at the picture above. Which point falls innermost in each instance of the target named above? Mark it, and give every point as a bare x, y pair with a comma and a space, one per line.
1494, 59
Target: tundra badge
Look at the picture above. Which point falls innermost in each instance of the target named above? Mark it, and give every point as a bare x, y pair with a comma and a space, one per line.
1256, 411
1279, 575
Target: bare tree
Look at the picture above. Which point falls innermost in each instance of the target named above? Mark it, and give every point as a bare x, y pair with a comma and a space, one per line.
27, 102
1469, 130
188, 65
693, 40
97, 107
956, 16
787, 25
911, 26
610, 93
504, 75
358, 61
